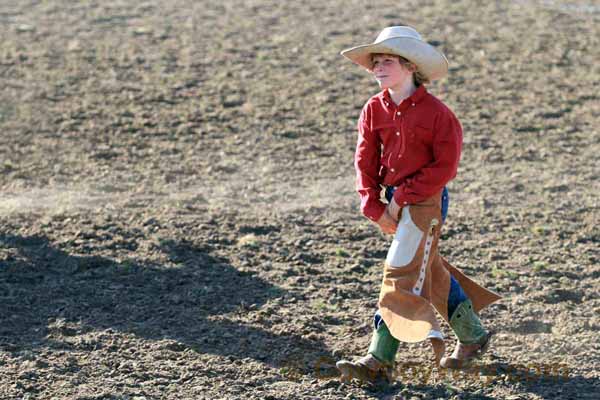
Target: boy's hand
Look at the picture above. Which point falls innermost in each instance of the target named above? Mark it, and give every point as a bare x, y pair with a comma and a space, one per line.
387, 223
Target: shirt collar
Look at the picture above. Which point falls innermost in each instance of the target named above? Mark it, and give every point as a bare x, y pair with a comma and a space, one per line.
413, 99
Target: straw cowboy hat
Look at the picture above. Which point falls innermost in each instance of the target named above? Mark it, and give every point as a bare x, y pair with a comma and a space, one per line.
406, 42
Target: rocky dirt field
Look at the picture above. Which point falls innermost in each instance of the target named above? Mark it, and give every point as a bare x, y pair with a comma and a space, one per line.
177, 209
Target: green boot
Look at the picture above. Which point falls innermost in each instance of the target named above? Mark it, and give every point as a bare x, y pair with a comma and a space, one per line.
379, 360
383, 345
473, 339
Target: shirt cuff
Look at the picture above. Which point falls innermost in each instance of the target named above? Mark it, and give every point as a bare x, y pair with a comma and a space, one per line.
375, 211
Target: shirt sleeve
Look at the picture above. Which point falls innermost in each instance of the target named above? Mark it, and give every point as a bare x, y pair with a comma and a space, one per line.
367, 164
447, 144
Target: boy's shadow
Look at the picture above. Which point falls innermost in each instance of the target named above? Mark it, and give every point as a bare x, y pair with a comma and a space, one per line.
546, 380
49, 296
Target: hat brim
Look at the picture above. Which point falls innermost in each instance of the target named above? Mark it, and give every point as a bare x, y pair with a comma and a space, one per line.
431, 62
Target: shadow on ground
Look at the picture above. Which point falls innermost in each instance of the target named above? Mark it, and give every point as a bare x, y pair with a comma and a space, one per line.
48, 294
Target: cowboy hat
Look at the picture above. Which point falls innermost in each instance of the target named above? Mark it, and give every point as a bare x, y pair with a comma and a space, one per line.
406, 42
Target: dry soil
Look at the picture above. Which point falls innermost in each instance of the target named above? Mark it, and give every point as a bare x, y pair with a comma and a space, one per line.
177, 209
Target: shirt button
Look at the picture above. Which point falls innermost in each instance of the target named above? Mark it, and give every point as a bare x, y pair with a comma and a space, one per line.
413, 104
398, 113
405, 203
393, 170
397, 133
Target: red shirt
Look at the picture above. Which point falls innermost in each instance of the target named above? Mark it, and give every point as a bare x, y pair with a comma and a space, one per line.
414, 145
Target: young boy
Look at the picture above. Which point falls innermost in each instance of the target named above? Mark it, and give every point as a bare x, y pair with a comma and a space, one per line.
409, 144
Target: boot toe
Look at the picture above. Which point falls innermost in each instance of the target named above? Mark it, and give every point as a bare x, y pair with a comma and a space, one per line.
454, 363
464, 355
359, 370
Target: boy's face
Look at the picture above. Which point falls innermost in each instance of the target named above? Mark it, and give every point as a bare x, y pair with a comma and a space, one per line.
389, 72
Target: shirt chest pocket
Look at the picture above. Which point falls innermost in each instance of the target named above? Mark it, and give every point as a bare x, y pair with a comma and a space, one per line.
422, 134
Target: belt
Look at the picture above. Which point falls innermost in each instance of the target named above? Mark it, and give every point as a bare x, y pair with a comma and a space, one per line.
389, 193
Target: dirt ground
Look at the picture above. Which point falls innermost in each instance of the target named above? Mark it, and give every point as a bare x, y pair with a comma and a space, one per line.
177, 209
